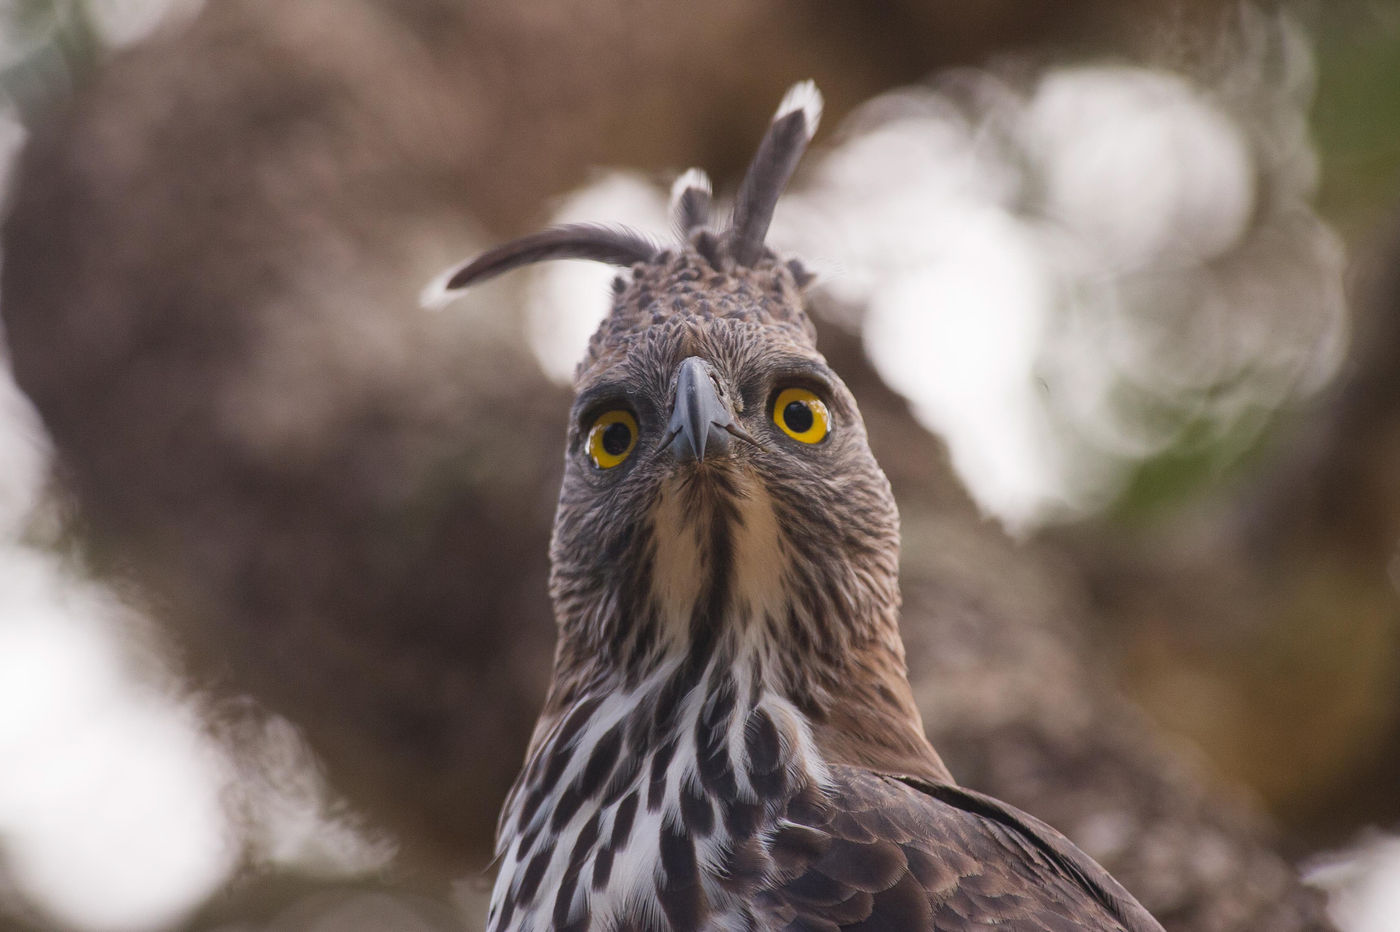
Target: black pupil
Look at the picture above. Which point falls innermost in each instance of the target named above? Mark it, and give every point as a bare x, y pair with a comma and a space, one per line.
798, 417
617, 437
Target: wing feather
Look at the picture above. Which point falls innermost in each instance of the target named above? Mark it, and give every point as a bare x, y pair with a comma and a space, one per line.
907, 855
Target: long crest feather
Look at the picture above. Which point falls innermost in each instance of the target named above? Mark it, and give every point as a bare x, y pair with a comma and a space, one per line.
617, 246
792, 128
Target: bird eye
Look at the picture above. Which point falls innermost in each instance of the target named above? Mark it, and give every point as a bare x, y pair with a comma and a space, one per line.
612, 438
801, 415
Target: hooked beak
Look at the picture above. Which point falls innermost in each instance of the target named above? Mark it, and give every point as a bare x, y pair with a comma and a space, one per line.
700, 422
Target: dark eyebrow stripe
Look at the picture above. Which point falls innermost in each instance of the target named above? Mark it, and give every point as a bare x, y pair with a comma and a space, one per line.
601, 397
800, 369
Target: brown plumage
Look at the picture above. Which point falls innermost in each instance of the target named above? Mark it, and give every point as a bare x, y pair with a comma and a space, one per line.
730, 741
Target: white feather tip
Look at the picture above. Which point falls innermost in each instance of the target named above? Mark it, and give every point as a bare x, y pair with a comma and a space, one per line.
436, 295
692, 178
802, 96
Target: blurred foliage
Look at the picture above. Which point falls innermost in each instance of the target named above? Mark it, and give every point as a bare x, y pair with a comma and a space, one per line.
46, 48
1355, 119
1201, 459
1356, 116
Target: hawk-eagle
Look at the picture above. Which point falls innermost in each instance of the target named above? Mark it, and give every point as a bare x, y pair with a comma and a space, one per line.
730, 741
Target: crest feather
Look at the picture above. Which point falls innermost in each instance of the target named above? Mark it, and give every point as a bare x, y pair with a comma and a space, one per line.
793, 126
690, 201
595, 242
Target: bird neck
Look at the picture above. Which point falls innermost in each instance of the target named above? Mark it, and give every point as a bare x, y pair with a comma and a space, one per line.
689, 767
710, 676
727, 589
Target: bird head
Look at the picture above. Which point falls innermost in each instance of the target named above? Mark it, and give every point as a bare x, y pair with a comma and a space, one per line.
719, 492
713, 454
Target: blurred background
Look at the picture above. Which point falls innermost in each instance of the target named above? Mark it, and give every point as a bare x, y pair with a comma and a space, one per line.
1116, 283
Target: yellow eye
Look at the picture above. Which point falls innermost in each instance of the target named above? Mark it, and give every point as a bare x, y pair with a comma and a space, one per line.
801, 415
612, 438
